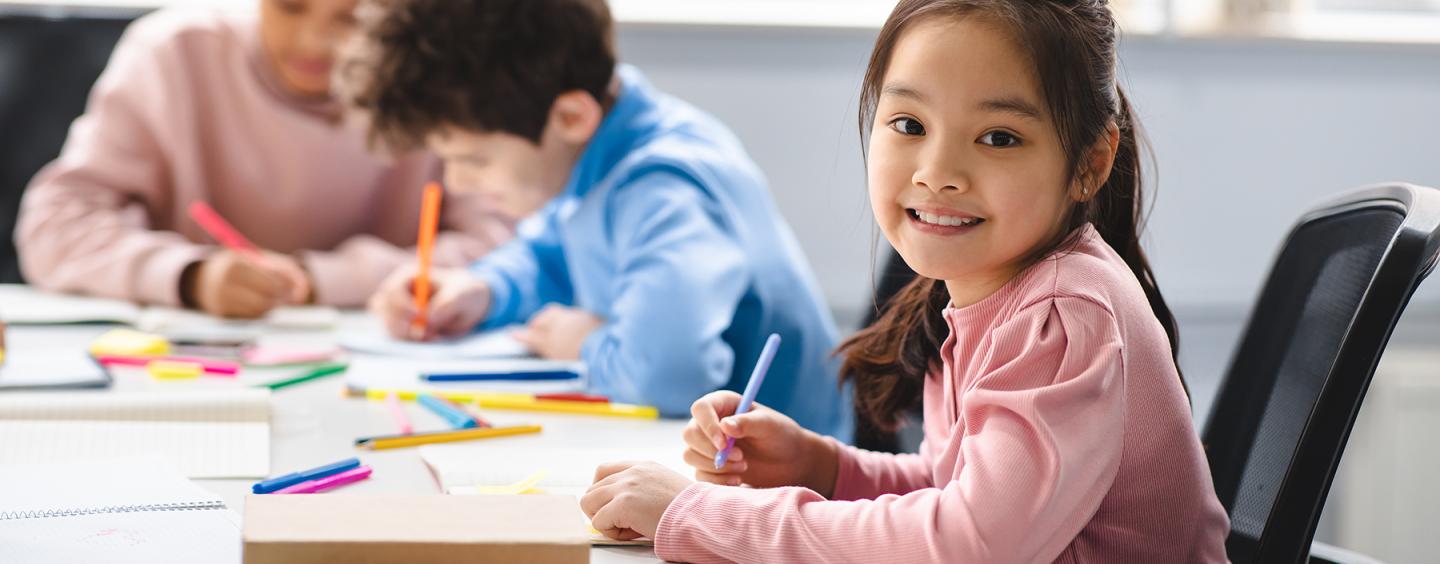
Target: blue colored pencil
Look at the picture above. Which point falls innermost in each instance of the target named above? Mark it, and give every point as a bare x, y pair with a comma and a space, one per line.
757, 376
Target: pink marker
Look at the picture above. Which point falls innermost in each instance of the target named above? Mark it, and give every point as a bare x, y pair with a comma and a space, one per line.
397, 411
225, 233
210, 366
276, 356
328, 482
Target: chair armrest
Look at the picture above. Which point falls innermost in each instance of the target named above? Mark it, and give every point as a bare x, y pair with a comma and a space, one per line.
1321, 553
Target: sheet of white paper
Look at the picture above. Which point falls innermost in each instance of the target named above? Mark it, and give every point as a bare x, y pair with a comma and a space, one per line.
459, 468
206, 434
23, 305
162, 319
380, 373
489, 344
144, 534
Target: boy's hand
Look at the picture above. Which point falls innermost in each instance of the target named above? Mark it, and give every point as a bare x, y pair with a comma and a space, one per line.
558, 332
628, 498
229, 284
458, 302
771, 450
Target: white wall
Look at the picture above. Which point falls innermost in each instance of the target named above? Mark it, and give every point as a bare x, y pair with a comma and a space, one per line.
1248, 134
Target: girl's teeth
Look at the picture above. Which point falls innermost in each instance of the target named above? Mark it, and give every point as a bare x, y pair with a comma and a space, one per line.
945, 220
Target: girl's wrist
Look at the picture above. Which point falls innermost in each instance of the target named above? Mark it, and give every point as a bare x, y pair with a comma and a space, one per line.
826, 466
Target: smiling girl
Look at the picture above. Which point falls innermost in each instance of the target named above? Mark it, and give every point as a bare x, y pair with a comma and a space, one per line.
1003, 167
233, 109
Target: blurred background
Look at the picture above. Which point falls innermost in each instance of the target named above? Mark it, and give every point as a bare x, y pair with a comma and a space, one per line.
1255, 109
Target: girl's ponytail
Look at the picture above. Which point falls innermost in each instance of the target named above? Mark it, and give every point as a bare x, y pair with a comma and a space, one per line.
889, 359
1118, 212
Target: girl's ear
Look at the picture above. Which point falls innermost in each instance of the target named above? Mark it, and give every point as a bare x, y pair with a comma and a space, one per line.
575, 116
1095, 164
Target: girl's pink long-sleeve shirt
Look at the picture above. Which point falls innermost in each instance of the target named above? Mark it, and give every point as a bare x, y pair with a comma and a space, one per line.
1056, 430
189, 109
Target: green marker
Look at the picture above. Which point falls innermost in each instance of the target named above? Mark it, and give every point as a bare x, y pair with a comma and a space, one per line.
317, 373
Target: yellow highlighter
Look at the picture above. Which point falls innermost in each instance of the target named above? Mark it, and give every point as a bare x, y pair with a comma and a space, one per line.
526, 486
129, 342
527, 402
173, 370
417, 439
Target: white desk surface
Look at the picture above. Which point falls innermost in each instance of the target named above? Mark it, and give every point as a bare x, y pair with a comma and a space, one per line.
313, 424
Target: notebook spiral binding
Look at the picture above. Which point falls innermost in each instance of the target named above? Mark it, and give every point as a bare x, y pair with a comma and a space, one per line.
73, 512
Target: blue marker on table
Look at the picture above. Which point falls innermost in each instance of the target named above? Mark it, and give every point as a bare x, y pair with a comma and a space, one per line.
767, 355
456, 418
507, 375
282, 482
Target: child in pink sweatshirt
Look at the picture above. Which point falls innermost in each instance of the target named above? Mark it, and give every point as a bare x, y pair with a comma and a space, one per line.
1003, 167
232, 109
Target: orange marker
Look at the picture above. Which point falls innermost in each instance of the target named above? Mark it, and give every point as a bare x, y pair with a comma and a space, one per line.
424, 249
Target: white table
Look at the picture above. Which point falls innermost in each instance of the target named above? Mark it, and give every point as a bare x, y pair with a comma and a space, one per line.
314, 423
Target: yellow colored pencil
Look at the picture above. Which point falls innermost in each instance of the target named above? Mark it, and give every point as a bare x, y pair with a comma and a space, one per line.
400, 441
527, 402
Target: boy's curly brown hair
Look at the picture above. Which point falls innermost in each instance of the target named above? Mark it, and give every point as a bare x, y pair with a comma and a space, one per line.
416, 66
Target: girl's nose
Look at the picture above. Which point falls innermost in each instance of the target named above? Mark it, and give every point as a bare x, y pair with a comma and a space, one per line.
940, 170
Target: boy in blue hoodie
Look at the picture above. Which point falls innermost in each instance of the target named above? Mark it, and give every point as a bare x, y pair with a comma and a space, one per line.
650, 248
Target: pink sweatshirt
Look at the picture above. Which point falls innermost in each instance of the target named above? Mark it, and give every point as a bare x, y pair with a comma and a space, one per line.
187, 110
1056, 431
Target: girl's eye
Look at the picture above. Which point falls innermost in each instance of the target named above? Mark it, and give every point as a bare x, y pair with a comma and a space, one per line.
907, 126
1000, 139
290, 6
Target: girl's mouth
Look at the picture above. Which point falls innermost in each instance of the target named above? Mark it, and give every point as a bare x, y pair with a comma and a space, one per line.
942, 224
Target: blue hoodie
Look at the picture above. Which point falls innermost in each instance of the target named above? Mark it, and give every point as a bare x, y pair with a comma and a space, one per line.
666, 230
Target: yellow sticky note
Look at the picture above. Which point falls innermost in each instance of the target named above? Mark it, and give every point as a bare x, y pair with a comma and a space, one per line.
526, 486
129, 342
171, 370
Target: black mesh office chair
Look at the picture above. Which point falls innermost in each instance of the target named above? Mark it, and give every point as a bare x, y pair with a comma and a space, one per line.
1289, 401
49, 58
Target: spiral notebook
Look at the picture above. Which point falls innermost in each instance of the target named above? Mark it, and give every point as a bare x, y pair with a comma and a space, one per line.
204, 433
135, 510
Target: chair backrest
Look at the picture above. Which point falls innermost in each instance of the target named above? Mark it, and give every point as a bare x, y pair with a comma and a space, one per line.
49, 58
1295, 384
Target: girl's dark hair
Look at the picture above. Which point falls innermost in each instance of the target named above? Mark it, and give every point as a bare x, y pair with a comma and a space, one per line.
1072, 45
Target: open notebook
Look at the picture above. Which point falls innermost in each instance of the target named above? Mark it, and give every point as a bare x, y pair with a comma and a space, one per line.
135, 510
23, 305
206, 434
